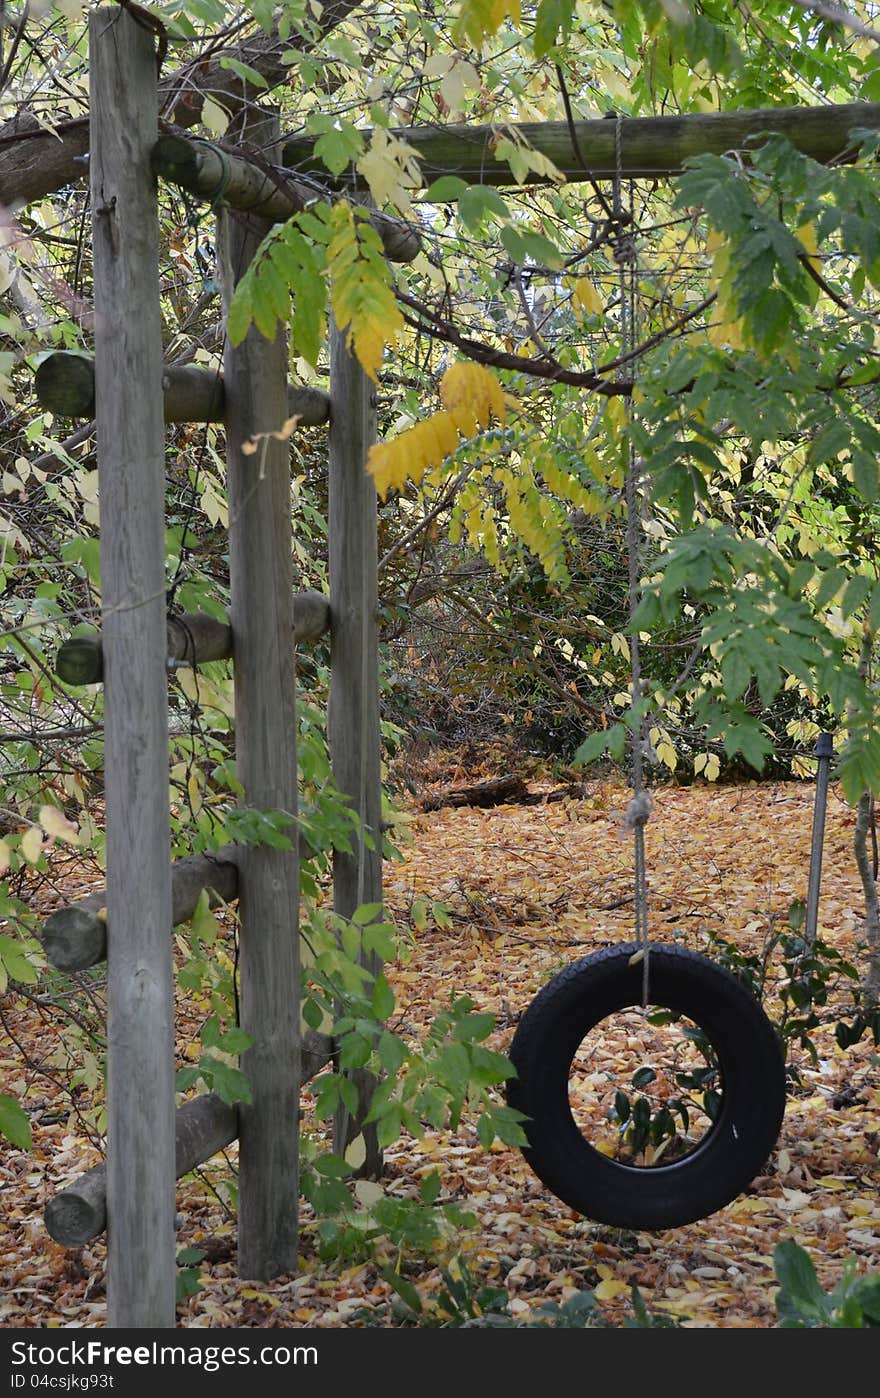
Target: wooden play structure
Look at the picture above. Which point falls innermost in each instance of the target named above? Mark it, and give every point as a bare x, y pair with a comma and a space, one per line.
133, 394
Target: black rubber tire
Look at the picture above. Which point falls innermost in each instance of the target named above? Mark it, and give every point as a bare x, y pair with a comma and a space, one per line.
734, 1148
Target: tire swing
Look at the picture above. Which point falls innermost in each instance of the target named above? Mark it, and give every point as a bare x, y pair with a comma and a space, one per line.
741, 1056
748, 1065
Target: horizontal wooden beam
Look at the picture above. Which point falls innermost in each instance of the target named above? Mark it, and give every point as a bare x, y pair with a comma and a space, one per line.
203, 1127
75, 937
204, 169
192, 638
649, 147
65, 385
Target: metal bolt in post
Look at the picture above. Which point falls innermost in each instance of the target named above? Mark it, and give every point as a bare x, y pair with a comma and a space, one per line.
824, 754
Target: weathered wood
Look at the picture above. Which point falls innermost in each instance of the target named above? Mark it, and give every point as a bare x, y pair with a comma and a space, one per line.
353, 706
649, 146
205, 170
35, 161
265, 719
75, 936
131, 469
500, 791
203, 1127
496, 791
183, 92
65, 385
192, 638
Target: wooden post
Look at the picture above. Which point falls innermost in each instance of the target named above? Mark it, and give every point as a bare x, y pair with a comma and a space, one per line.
128, 391
265, 738
353, 716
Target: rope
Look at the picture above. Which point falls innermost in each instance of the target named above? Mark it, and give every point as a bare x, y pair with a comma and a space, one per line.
215, 197
639, 809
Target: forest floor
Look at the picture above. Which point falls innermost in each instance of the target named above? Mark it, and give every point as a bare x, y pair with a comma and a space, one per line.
528, 889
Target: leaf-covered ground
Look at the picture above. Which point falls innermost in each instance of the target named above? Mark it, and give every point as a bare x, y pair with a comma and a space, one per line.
529, 889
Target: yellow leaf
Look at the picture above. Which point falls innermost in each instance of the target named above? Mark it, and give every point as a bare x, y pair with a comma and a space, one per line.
56, 824
472, 394
471, 397
215, 117
391, 169
5, 856
32, 844
480, 19
607, 1290
807, 237
356, 1153
585, 296
368, 1192
361, 295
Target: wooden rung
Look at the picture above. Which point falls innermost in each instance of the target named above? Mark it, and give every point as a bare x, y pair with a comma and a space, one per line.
193, 638
65, 385
203, 1127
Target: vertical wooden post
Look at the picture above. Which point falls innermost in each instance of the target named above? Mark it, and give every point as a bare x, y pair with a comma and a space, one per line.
265, 742
353, 718
131, 473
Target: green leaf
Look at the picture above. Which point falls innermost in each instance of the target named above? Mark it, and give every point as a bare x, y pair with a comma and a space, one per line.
392, 1052
829, 442
610, 740
241, 313
312, 1013
339, 146
478, 203
454, 1067
367, 912
430, 1188
473, 1028
229, 1083
865, 474
444, 190
246, 73
405, 1289
16, 962
552, 16
523, 244
14, 1123
797, 1277
380, 938
354, 1050
333, 1167
383, 998
236, 1041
